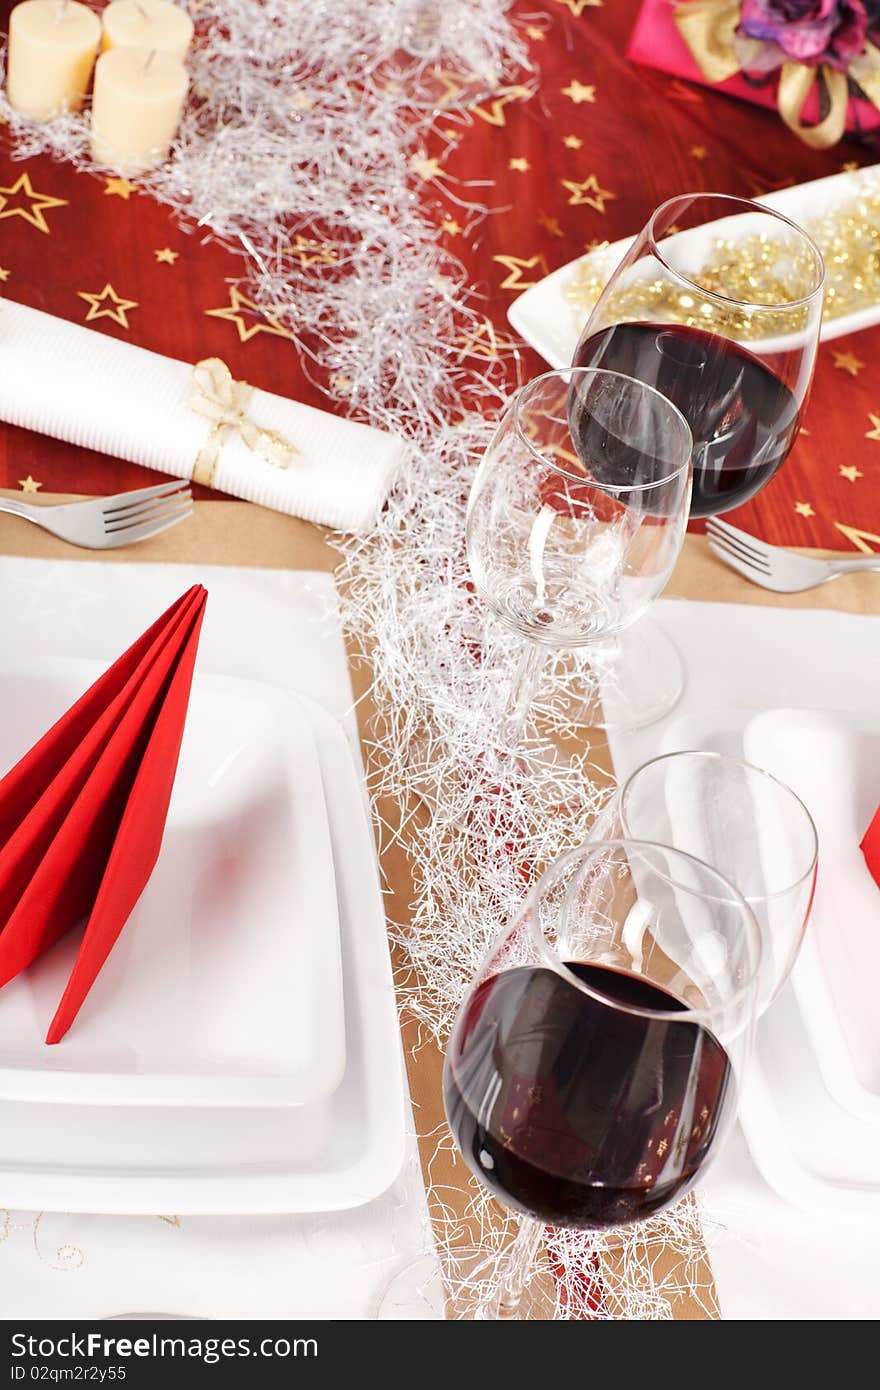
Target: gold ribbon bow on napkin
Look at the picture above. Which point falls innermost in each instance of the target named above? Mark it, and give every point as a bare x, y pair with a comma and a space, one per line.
222, 399
709, 27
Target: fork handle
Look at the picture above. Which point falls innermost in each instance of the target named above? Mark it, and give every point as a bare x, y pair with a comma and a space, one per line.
10, 504
854, 566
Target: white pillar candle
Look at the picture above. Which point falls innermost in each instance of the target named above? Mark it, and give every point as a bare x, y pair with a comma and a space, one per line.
139, 95
150, 24
52, 47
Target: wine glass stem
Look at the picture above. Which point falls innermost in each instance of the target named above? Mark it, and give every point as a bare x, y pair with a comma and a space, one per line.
522, 694
516, 1268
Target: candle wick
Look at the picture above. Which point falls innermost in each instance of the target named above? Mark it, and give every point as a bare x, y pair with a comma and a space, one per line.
151, 55
60, 12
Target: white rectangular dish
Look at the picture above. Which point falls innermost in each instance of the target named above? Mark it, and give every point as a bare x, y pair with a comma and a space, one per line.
332, 1154
225, 986
550, 323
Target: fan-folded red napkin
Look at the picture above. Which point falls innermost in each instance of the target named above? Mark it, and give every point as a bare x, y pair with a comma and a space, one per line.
83, 813
870, 847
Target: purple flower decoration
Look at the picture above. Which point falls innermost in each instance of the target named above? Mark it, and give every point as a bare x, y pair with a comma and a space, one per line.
809, 31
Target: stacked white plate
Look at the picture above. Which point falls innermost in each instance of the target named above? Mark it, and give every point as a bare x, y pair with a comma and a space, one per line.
810, 1110
239, 1052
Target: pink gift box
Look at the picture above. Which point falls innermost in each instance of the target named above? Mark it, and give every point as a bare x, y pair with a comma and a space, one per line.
657, 43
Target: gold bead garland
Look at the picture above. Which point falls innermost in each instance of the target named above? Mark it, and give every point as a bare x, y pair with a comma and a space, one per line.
757, 270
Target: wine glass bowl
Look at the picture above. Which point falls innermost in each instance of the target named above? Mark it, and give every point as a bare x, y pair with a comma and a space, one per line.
744, 822
593, 1067
718, 304
577, 513
576, 516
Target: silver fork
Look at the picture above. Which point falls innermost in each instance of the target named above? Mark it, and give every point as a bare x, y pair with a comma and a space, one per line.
107, 522
773, 567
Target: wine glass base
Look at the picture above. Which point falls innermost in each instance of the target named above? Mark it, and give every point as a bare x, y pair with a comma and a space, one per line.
627, 682
469, 1293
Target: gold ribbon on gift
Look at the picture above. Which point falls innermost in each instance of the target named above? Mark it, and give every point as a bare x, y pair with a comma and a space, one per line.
708, 27
224, 401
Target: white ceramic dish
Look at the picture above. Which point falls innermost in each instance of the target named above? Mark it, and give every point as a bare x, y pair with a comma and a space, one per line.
334, 1153
225, 986
833, 762
551, 324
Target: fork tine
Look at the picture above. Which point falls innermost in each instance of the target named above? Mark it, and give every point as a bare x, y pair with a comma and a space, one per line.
122, 500
148, 505
148, 512
730, 558
724, 530
748, 557
144, 533
154, 519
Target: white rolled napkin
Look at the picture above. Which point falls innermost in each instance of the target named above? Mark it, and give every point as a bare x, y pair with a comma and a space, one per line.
79, 385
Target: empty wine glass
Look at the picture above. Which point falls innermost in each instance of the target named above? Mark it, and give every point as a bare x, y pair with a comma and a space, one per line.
718, 303
594, 1065
745, 823
575, 521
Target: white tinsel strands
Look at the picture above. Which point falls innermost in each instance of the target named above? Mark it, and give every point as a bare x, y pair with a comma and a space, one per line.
306, 121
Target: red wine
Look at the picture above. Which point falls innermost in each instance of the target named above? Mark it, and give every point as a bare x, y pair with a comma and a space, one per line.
574, 1111
743, 419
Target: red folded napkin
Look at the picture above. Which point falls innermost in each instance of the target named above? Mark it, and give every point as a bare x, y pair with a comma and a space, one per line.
83, 813
870, 847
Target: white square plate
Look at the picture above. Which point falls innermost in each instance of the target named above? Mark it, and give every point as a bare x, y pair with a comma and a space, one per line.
334, 1153
832, 761
225, 986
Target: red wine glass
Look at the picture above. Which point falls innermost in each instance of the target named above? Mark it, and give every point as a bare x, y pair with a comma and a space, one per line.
718, 305
594, 1065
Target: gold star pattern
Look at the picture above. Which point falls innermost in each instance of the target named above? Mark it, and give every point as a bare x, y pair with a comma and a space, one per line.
451, 227
98, 304
597, 244
166, 256
804, 509
496, 115
874, 432
310, 252
850, 472
515, 266
4, 275
535, 33
577, 7
29, 484
571, 142
481, 342
519, 165
426, 169
38, 203
588, 193
849, 167
698, 151
550, 224
120, 188
578, 93
237, 310
452, 87
858, 539
847, 362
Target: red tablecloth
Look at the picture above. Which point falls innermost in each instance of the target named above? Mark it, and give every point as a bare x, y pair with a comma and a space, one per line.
584, 158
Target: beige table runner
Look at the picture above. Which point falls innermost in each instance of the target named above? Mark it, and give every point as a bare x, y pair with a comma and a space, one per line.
232, 533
